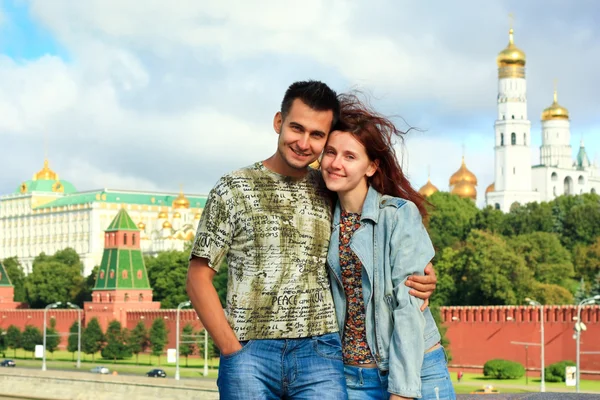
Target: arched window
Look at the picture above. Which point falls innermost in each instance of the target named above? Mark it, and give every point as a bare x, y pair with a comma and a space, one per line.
513, 117
568, 185
581, 181
502, 139
126, 298
497, 206
525, 139
133, 239
554, 177
124, 238
593, 191
141, 298
513, 138
514, 170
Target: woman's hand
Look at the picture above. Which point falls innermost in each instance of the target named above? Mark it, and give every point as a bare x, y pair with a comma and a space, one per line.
422, 286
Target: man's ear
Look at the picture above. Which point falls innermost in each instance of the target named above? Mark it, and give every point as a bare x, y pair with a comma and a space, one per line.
278, 122
372, 168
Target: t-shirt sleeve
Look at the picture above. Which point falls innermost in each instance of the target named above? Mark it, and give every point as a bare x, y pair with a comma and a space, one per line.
215, 229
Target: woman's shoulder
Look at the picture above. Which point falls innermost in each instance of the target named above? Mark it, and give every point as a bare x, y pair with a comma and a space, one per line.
398, 207
395, 202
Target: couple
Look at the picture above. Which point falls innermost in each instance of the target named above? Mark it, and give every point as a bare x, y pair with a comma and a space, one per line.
308, 317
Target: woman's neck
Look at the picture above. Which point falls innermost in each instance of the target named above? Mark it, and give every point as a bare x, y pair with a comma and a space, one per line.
353, 200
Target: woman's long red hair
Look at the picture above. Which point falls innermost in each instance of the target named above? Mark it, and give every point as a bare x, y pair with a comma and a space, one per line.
377, 133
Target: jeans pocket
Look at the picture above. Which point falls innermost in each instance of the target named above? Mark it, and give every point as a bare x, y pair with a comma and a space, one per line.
245, 345
328, 346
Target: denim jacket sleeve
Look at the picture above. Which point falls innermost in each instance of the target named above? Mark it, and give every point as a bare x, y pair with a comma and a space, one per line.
411, 250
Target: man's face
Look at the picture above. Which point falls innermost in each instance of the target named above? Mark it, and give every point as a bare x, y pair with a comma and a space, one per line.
302, 135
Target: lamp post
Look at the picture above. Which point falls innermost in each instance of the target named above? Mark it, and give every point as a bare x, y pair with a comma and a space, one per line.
53, 305
579, 326
205, 352
78, 332
543, 372
179, 307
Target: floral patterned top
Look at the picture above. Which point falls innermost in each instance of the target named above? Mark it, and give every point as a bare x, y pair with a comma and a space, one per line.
354, 343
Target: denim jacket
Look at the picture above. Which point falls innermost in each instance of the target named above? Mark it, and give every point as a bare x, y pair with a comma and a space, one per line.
392, 244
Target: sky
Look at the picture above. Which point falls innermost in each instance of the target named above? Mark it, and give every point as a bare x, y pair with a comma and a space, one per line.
154, 94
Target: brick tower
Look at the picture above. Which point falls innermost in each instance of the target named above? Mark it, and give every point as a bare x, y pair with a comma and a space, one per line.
7, 291
122, 283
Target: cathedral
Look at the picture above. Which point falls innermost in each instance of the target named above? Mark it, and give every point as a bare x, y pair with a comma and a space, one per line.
47, 214
516, 180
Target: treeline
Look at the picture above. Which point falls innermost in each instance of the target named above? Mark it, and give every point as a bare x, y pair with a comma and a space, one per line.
117, 343
546, 251
59, 278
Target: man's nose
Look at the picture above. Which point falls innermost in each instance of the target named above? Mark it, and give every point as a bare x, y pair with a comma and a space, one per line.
303, 142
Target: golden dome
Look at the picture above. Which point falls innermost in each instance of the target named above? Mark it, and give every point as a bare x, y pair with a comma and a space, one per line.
45, 173
555, 111
141, 226
197, 215
167, 225
162, 215
465, 190
176, 215
463, 174
428, 189
511, 56
491, 188
181, 201
190, 235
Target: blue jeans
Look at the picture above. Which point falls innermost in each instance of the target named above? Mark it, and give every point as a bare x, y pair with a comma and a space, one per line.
371, 384
307, 368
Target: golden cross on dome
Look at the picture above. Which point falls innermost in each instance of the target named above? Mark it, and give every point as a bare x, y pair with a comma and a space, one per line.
555, 90
511, 19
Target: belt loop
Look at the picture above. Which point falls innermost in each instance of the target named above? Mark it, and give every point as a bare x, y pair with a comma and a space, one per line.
360, 377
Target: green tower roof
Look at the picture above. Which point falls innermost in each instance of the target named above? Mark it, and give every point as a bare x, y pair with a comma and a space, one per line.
122, 222
4, 279
582, 158
122, 269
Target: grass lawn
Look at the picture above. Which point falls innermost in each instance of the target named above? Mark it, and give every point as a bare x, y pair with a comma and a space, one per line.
471, 382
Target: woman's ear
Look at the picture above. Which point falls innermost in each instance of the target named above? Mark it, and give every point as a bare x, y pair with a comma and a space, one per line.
372, 168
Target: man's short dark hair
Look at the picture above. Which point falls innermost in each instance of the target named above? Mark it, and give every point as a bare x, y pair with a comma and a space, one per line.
314, 94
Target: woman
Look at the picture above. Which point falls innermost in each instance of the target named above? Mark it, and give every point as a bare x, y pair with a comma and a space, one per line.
391, 349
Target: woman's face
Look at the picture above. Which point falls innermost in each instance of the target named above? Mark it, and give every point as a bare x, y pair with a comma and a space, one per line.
345, 165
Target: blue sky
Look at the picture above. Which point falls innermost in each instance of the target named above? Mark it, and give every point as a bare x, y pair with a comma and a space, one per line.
174, 93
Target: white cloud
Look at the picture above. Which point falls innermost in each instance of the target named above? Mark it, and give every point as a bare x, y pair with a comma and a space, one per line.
166, 93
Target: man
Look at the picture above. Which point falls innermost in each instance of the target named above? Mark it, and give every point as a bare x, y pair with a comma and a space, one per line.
272, 222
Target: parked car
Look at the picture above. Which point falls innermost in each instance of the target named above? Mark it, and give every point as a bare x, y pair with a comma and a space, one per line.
100, 370
7, 363
157, 373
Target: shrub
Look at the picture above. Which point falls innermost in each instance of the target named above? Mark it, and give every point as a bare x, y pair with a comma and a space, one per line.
556, 372
503, 369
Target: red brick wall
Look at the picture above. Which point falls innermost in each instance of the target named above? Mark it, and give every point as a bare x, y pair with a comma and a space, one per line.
21, 318
479, 334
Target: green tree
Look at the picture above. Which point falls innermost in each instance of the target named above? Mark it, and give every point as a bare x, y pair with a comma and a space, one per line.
528, 218
581, 292
486, 271
187, 345
13, 338
3, 342
72, 342
54, 278
87, 286
547, 293
139, 340
116, 347
451, 219
92, 338
52, 337
17, 277
490, 220
545, 255
31, 337
167, 274
158, 337
596, 286
587, 260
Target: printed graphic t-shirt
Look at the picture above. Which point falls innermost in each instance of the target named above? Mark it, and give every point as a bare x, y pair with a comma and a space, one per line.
274, 231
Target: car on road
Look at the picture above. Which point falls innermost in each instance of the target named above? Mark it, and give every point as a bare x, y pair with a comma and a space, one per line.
7, 363
156, 373
100, 370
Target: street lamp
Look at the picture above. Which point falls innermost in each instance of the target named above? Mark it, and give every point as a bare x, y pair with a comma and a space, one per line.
579, 326
205, 352
543, 372
179, 307
78, 331
53, 305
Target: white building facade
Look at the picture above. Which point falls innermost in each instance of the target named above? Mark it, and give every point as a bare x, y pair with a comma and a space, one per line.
516, 180
46, 214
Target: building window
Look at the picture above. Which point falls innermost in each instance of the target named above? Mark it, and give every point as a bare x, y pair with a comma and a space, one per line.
141, 298
513, 117
525, 139
133, 239
581, 181
554, 190
514, 171
497, 206
568, 185
554, 177
513, 138
501, 139
124, 238
593, 191
126, 298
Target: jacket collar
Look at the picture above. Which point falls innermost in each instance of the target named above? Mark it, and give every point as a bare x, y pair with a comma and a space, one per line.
370, 208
